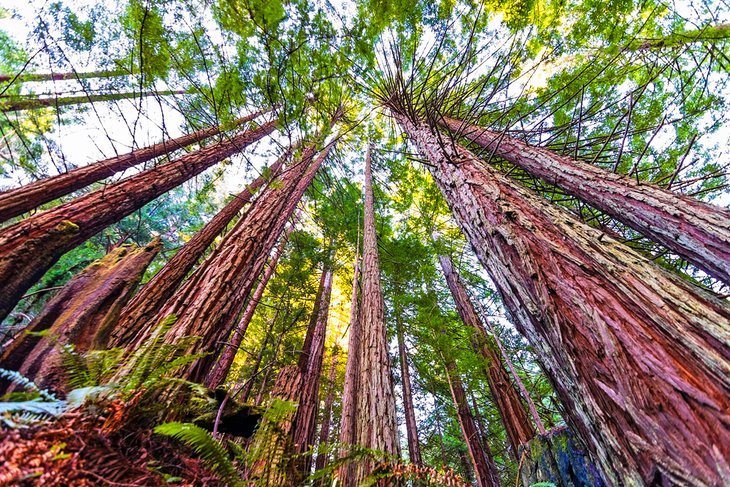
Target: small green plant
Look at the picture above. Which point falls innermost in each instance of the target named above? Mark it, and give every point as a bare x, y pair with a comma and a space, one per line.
41, 406
210, 450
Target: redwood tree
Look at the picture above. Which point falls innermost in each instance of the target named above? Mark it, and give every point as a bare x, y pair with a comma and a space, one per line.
505, 396
23, 199
137, 316
414, 449
481, 457
30, 247
326, 422
639, 358
376, 422
207, 304
19, 104
697, 231
81, 314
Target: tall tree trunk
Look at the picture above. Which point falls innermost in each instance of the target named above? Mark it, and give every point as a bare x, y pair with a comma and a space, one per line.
207, 304
17, 105
708, 34
219, 372
17, 201
414, 448
697, 231
639, 358
28, 77
137, 318
348, 416
376, 420
505, 396
81, 314
245, 390
310, 366
30, 247
326, 424
484, 469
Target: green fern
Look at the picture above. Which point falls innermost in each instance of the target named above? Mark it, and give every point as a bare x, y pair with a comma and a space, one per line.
203, 444
89, 369
27, 384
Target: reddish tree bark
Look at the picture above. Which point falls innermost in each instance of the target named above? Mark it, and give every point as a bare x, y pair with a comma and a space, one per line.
138, 316
207, 304
505, 396
639, 358
699, 232
81, 314
23, 199
376, 421
414, 448
219, 372
19, 104
348, 416
326, 423
310, 366
30, 247
481, 457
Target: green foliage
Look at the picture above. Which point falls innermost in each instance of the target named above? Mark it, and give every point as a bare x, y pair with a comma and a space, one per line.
204, 445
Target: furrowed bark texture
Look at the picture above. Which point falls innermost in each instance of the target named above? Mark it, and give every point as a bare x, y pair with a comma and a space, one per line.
376, 421
219, 372
23, 199
324, 431
639, 359
505, 396
81, 314
414, 448
305, 419
699, 232
348, 416
30, 247
481, 458
207, 304
63, 101
137, 318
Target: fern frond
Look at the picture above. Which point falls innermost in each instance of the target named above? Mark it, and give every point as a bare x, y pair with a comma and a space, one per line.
24, 382
204, 445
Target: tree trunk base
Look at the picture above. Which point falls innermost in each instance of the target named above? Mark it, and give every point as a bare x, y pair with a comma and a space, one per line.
560, 458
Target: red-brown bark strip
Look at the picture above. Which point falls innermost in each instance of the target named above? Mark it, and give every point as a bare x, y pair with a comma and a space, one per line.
30, 247
326, 423
376, 420
219, 372
348, 416
81, 314
698, 231
481, 457
207, 304
414, 448
505, 396
137, 318
639, 358
21, 200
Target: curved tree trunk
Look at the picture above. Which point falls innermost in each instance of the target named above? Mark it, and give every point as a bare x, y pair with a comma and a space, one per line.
697, 231
505, 396
17, 105
376, 420
17, 201
81, 314
481, 457
138, 316
219, 372
640, 359
29, 248
348, 416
